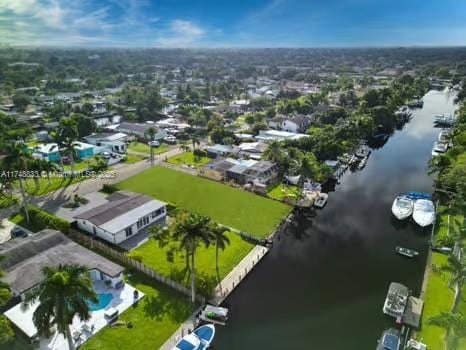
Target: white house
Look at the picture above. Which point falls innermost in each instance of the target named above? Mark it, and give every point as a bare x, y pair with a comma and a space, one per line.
296, 124
122, 217
114, 142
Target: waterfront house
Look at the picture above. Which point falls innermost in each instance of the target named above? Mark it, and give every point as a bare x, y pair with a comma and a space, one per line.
277, 135
125, 216
263, 172
217, 169
294, 124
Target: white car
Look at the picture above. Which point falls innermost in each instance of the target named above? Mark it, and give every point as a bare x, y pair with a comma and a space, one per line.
170, 139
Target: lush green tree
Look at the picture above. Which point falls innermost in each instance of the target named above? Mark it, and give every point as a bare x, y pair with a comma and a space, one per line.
454, 323
63, 294
85, 125
221, 241
69, 134
6, 332
21, 101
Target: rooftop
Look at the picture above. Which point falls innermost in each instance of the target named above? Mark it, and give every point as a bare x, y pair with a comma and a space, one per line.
25, 258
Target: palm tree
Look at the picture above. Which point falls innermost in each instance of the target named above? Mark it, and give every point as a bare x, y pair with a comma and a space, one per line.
454, 323
64, 294
195, 141
151, 134
69, 134
56, 138
18, 159
191, 231
218, 233
184, 146
274, 152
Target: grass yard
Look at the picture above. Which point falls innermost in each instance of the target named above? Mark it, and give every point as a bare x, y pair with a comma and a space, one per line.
224, 204
141, 147
152, 255
438, 298
188, 158
154, 319
132, 158
20, 220
283, 191
46, 186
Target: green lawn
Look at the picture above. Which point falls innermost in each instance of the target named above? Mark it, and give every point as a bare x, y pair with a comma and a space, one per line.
20, 220
283, 191
46, 186
438, 298
152, 255
144, 148
224, 204
188, 158
133, 158
154, 319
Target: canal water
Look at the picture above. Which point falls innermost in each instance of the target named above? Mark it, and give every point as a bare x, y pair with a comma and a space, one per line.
324, 283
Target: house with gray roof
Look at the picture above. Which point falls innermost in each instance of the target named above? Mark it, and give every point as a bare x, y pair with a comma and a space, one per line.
25, 258
140, 130
295, 124
125, 216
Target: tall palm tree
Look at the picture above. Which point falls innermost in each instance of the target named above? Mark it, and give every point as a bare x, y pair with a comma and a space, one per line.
64, 294
195, 141
191, 231
68, 130
184, 146
56, 138
151, 134
18, 159
221, 241
274, 152
454, 323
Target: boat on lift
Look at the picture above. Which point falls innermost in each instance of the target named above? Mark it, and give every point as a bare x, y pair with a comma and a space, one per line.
363, 151
321, 200
201, 338
402, 207
390, 340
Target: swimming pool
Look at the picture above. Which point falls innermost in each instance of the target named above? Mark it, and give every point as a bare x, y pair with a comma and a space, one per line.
104, 300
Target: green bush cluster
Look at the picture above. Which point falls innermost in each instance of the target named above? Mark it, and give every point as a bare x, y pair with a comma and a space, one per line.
43, 219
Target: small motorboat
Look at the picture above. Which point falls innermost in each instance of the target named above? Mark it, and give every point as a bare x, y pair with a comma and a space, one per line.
390, 340
215, 314
362, 163
321, 200
424, 212
406, 252
363, 151
444, 136
444, 250
402, 207
206, 334
199, 339
444, 119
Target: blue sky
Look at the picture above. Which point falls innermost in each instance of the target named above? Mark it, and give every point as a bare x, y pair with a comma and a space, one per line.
235, 23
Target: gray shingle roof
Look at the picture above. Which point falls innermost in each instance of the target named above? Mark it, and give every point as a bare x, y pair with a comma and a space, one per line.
24, 258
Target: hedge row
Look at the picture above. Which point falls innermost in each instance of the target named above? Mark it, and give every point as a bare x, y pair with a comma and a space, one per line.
43, 219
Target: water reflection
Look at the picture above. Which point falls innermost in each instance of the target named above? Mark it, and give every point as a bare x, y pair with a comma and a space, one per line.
323, 284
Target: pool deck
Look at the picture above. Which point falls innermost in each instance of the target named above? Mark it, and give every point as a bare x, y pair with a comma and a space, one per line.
122, 299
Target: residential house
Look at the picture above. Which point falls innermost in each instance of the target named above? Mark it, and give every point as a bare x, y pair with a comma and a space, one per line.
219, 150
47, 151
253, 150
140, 130
217, 169
106, 118
113, 142
277, 135
124, 215
263, 171
83, 150
25, 258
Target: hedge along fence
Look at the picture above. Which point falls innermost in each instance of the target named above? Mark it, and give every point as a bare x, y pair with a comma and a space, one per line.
121, 257
44, 219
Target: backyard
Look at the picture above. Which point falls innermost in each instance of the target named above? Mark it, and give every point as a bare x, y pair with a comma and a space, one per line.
188, 158
152, 255
154, 319
282, 191
224, 204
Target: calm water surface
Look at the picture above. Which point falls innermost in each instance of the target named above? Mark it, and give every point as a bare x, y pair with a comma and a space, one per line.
323, 284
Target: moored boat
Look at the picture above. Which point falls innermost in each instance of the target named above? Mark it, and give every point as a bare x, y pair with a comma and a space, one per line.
363, 151
417, 195
402, 207
362, 163
423, 212
390, 340
406, 252
201, 338
321, 200
214, 314
444, 119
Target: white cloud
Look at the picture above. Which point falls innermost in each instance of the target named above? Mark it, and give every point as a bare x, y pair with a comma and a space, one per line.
181, 33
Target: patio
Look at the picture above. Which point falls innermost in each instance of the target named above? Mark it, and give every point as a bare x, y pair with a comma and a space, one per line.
121, 300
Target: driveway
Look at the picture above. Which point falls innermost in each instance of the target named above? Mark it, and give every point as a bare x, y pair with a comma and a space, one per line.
6, 226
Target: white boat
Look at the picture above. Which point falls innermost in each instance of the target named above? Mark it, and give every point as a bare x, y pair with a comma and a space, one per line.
446, 119
444, 136
439, 147
402, 207
424, 212
321, 200
199, 339
214, 314
362, 163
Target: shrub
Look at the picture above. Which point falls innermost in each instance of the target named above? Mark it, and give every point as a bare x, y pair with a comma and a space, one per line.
135, 256
199, 153
43, 219
109, 188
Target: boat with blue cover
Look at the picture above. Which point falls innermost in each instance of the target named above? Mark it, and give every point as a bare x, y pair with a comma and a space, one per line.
418, 195
199, 339
390, 340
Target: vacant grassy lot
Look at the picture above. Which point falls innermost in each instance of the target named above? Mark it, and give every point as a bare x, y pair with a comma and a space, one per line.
133, 158
438, 298
188, 158
154, 319
48, 185
152, 255
226, 205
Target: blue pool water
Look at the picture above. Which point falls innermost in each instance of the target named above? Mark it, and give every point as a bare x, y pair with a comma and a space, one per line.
104, 301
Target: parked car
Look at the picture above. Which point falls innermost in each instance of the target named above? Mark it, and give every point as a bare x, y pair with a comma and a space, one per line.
106, 155
170, 139
154, 143
18, 232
